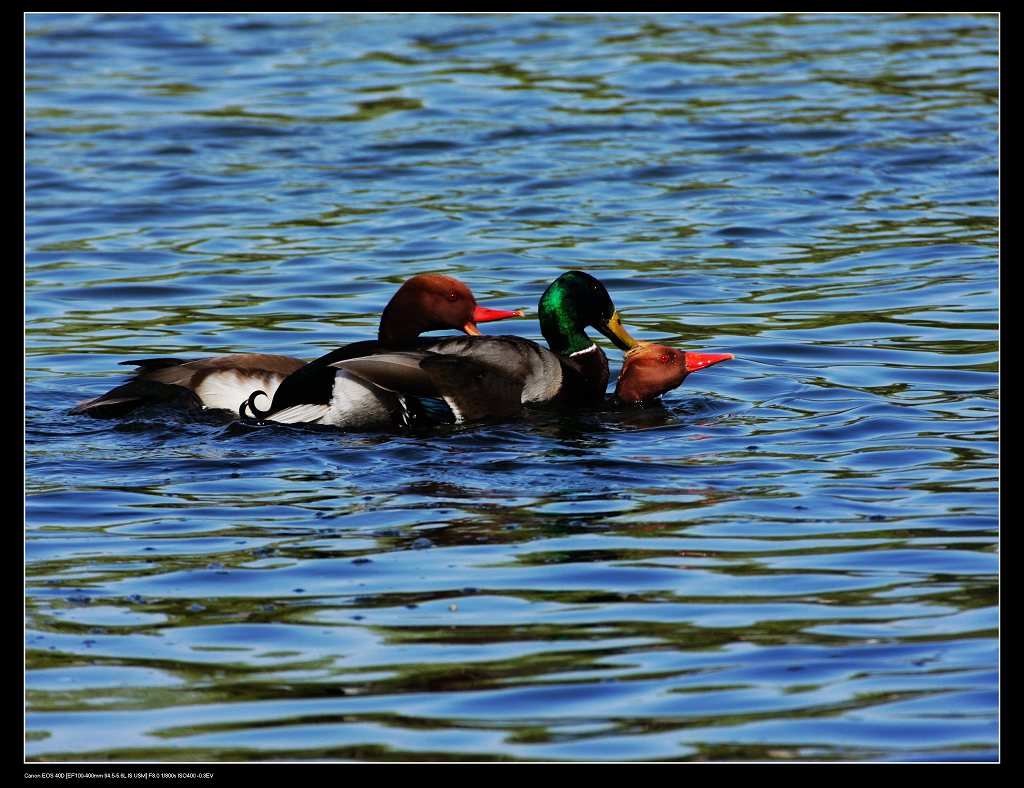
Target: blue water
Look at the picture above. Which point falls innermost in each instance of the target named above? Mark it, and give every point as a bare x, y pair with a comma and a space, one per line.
793, 557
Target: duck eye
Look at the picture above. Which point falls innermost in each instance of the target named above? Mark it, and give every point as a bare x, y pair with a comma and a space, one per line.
664, 358
453, 296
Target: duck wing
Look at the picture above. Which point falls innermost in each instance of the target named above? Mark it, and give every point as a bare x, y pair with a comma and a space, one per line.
536, 369
216, 382
127, 397
472, 390
547, 377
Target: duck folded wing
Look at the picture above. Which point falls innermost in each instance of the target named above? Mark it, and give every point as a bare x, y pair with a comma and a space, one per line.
216, 382
400, 372
536, 370
471, 389
125, 398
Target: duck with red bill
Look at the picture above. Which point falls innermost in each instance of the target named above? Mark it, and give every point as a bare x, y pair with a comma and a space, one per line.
650, 370
428, 302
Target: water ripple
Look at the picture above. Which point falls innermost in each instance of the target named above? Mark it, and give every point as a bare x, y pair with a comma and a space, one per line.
793, 556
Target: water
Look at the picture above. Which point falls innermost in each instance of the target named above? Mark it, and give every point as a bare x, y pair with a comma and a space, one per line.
793, 557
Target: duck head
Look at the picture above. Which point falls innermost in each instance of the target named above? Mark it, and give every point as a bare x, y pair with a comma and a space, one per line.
650, 370
432, 302
571, 303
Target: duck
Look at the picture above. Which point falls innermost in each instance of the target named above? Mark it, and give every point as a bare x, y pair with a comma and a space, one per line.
465, 378
650, 370
426, 302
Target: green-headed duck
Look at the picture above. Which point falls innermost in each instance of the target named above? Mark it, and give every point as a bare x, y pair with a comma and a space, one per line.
370, 384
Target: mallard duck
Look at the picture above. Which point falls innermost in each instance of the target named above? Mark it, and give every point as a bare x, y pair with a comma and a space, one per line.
375, 384
427, 302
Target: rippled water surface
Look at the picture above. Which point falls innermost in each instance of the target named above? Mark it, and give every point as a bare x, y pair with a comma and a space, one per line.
793, 557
